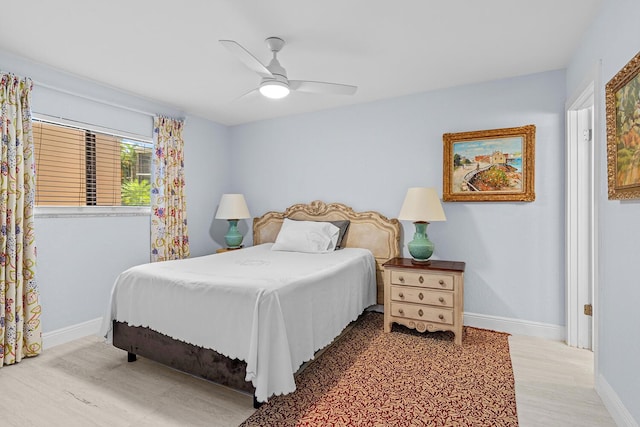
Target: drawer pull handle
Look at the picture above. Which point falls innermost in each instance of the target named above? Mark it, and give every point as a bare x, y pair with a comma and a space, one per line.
420, 279
420, 313
401, 311
420, 295
401, 279
441, 317
441, 299
441, 282
401, 295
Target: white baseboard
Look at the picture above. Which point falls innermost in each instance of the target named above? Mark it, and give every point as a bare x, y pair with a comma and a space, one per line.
379, 308
516, 326
614, 405
508, 325
501, 324
71, 333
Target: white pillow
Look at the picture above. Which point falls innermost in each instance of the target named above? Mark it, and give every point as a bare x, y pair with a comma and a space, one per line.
306, 236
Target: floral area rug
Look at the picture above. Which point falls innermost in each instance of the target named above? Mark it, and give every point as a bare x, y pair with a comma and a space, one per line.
402, 378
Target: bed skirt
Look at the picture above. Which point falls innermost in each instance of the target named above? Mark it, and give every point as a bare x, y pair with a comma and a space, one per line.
198, 361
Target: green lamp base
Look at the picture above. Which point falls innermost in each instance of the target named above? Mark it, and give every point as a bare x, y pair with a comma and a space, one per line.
420, 248
233, 238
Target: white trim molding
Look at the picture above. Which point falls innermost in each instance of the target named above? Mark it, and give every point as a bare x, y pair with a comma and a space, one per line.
71, 333
516, 326
379, 308
90, 211
484, 321
614, 405
92, 127
581, 216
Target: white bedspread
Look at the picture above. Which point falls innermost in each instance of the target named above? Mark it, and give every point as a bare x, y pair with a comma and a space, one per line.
271, 309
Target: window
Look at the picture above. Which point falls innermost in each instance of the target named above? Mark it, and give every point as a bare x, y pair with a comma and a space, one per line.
83, 167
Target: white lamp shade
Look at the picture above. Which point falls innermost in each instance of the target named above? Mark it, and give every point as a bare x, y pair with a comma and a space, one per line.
232, 206
422, 204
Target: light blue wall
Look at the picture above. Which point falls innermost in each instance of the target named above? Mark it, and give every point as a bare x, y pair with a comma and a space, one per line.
80, 257
613, 39
368, 155
207, 175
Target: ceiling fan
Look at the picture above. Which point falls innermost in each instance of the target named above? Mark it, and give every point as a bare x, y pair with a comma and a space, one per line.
275, 83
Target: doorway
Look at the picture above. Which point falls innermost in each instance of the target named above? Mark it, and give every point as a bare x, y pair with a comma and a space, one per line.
581, 221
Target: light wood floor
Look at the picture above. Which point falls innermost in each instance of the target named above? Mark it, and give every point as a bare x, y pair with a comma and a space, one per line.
555, 385
90, 383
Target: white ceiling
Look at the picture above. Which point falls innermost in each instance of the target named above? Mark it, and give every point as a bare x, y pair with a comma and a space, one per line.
168, 51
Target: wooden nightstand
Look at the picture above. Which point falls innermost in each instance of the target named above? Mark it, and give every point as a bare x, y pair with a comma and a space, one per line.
425, 297
221, 250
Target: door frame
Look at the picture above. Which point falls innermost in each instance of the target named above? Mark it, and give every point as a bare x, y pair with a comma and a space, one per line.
586, 96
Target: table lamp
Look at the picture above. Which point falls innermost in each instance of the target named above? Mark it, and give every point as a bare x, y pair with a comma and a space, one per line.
233, 207
421, 205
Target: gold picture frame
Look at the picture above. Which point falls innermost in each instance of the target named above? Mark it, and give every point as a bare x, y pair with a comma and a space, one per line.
623, 132
496, 165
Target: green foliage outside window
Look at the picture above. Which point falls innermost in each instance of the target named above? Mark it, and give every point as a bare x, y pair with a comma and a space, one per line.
136, 193
135, 187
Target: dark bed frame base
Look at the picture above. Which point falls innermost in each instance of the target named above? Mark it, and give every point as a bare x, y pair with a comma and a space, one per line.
194, 360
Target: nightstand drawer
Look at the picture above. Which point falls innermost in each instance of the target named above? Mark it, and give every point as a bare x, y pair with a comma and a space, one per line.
418, 312
422, 296
435, 281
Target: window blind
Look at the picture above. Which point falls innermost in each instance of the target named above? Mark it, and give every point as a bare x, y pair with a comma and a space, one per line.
81, 167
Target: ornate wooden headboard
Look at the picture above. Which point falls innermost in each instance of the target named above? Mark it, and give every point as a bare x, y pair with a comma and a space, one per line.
369, 230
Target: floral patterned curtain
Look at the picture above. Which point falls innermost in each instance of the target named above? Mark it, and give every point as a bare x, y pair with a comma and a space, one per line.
20, 333
169, 237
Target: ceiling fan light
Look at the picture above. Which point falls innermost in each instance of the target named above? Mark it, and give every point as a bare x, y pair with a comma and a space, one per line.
274, 89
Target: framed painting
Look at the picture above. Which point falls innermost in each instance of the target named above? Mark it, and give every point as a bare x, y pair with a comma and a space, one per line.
623, 132
495, 165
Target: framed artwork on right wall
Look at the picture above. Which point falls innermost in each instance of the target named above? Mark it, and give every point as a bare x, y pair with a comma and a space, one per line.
623, 132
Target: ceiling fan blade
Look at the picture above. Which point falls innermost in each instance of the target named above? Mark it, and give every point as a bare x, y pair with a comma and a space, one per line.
322, 87
246, 58
247, 95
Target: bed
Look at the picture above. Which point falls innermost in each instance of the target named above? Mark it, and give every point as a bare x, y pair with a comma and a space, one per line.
193, 314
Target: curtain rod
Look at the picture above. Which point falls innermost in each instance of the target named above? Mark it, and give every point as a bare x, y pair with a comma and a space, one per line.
91, 98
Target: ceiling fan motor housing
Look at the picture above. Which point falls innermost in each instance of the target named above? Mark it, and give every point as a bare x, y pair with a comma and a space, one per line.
277, 70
